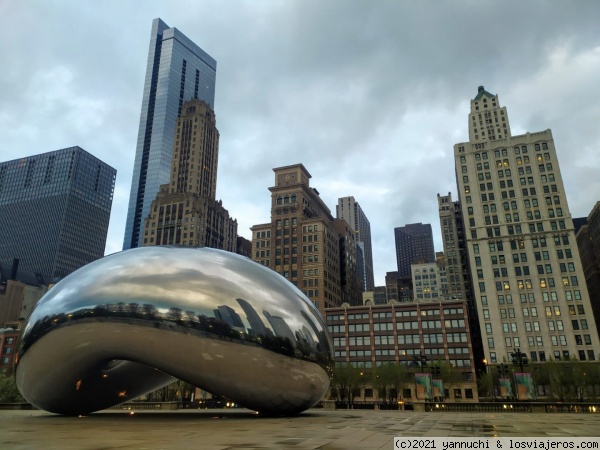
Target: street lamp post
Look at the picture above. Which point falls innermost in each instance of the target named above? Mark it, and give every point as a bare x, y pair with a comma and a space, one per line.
421, 360
519, 358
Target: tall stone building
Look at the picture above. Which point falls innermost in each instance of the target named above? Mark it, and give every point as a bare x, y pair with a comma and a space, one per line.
185, 210
527, 275
426, 282
458, 271
455, 248
414, 245
350, 275
303, 241
177, 70
350, 210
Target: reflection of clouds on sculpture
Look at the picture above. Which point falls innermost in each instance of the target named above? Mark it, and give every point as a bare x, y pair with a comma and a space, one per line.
196, 296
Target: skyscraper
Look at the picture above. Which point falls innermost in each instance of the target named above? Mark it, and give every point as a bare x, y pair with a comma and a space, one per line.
54, 210
305, 244
185, 210
350, 210
527, 275
455, 253
414, 245
588, 242
177, 70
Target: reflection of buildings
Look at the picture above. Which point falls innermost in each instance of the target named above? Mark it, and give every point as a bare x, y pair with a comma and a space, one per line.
257, 327
312, 324
228, 315
525, 266
280, 328
349, 210
54, 210
185, 210
177, 70
414, 245
302, 244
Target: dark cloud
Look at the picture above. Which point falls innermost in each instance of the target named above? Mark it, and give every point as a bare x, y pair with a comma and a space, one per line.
369, 96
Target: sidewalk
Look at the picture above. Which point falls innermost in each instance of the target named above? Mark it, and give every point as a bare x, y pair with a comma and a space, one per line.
242, 429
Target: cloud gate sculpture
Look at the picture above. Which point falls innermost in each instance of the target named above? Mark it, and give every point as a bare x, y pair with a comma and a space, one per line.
135, 321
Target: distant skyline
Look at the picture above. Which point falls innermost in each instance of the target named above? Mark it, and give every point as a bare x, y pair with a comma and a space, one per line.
369, 96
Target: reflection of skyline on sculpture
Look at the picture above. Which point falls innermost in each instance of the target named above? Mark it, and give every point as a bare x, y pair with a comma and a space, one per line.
206, 294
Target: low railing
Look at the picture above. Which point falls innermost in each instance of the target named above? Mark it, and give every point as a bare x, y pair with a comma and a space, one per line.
478, 407
520, 407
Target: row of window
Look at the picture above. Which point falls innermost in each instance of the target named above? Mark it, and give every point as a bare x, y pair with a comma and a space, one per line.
517, 150
526, 284
408, 313
540, 355
530, 298
536, 242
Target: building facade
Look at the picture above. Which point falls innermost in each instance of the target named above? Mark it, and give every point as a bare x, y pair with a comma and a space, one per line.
350, 274
458, 269
455, 248
8, 349
414, 245
440, 261
349, 209
177, 70
398, 288
426, 282
244, 247
302, 242
375, 296
407, 334
19, 293
588, 242
525, 266
185, 210
54, 210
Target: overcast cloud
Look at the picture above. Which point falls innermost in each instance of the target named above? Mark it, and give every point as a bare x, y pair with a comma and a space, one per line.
369, 95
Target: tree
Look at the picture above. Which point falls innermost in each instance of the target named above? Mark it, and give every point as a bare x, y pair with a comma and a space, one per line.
567, 380
485, 383
345, 380
8, 390
390, 378
449, 374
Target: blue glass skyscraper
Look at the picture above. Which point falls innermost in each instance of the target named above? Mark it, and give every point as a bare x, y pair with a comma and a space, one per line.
177, 70
54, 210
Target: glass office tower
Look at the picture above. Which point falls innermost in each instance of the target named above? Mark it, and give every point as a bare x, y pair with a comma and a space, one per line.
177, 70
54, 210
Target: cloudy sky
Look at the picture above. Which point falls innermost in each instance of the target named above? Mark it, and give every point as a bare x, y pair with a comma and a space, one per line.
369, 95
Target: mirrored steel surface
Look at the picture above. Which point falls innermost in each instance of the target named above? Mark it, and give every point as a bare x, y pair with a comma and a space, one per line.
131, 322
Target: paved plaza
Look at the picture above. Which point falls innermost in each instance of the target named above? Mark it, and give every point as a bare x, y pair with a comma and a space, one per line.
242, 429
